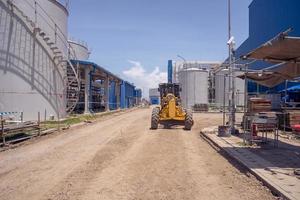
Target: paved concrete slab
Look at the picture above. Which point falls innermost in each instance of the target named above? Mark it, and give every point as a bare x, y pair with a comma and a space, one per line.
279, 179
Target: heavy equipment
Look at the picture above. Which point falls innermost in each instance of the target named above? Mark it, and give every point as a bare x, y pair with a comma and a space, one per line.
170, 112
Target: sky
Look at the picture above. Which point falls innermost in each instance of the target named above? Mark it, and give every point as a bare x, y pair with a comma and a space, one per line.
134, 39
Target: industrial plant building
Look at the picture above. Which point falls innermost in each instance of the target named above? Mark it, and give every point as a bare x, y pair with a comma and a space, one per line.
42, 71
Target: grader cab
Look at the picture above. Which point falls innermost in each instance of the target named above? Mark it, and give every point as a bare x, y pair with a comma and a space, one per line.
170, 112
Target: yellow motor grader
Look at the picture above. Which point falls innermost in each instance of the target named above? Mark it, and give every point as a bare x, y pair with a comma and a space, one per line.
170, 112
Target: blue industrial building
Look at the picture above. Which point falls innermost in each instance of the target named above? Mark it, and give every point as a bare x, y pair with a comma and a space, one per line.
102, 90
138, 96
268, 18
138, 93
113, 105
154, 100
127, 94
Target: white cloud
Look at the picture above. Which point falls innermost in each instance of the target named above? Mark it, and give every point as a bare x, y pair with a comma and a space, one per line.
137, 74
136, 71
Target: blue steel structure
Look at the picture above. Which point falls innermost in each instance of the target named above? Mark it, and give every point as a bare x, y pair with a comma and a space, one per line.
170, 71
138, 93
127, 90
154, 100
138, 96
112, 96
267, 18
127, 94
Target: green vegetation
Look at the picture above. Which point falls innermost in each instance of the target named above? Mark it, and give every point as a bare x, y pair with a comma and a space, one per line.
74, 119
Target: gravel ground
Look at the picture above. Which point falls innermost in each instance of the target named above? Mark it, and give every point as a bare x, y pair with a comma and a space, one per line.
121, 158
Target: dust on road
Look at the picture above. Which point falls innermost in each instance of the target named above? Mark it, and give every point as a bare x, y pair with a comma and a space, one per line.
121, 158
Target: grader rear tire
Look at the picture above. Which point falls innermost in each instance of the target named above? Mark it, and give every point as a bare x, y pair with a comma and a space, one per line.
155, 118
188, 122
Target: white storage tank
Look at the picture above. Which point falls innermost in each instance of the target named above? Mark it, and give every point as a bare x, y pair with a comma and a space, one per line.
153, 92
30, 79
79, 50
194, 86
51, 17
219, 89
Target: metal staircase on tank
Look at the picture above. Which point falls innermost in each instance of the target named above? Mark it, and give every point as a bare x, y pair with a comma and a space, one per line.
73, 85
72, 81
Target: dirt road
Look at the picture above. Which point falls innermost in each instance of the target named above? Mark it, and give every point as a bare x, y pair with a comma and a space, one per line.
121, 158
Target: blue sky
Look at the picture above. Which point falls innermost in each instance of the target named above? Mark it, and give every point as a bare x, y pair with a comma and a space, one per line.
135, 38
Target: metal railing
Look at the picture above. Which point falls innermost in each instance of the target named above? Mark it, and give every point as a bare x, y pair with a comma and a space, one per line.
42, 17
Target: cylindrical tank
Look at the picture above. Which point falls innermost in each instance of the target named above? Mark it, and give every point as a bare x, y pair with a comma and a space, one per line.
153, 92
79, 50
219, 89
51, 16
30, 81
194, 86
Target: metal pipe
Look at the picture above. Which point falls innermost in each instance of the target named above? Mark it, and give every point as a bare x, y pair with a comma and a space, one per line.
233, 98
284, 114
224, 98
245, 105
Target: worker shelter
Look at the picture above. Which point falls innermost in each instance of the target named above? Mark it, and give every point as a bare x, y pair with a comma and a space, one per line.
283, 52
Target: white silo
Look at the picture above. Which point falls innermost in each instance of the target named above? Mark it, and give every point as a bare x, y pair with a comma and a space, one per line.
219, 88
194, 86
33, 43
79, 49
49, 15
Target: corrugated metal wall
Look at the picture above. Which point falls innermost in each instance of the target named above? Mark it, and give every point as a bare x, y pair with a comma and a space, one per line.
267, 18
112, 96
127, 95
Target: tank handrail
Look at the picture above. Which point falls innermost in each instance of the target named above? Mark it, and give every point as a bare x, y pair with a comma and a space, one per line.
57, 31
65, 37
80, 42
72, 50
52, 20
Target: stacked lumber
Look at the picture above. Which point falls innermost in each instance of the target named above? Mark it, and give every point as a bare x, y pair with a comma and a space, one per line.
293, 117
200, 107
256, 105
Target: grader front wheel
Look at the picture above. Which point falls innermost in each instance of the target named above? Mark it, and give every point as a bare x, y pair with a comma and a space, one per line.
155, 118
188, 122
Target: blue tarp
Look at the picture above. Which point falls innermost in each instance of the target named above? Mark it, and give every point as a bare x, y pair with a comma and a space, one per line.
295, 88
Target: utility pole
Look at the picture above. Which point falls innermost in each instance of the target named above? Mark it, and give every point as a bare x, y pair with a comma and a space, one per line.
231, 73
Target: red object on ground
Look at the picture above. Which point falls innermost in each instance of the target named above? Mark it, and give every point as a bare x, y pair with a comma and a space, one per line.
296, 127
254, 130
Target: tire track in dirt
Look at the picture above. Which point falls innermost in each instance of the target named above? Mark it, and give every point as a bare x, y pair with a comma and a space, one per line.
37, 175
79, 181
123, 159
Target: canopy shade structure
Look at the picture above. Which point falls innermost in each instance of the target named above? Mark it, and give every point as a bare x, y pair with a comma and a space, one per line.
282, 48
272, 77
268, 79
284, 52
